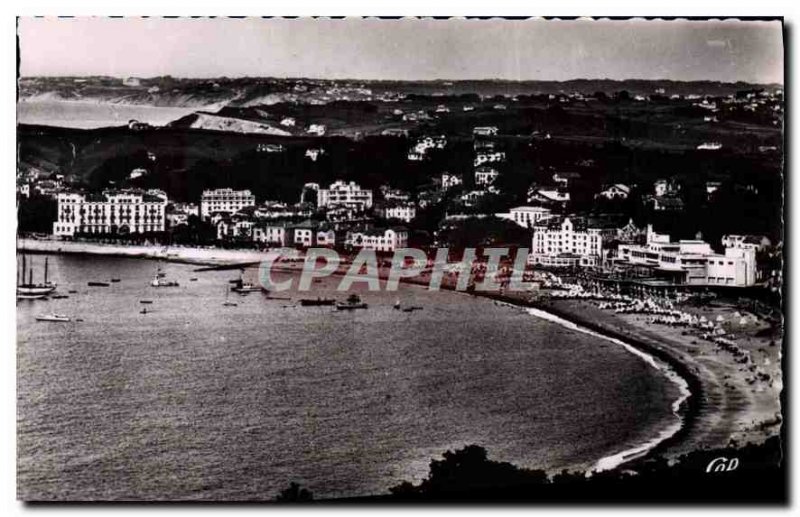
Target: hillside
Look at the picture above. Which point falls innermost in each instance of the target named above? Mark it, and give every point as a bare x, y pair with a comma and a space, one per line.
245, 92
214, 122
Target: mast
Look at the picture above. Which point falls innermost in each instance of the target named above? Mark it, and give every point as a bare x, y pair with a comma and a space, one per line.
45, 270
30, 276
24, 266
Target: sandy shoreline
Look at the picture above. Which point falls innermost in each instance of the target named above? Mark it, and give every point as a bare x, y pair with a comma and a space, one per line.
209, 256
728, 403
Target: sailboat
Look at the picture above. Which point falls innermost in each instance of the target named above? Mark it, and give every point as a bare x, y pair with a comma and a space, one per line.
30, 290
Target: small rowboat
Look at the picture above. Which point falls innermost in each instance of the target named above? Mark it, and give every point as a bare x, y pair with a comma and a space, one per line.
52, 317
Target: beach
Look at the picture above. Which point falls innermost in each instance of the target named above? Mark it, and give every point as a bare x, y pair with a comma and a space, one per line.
209, 256
731, 403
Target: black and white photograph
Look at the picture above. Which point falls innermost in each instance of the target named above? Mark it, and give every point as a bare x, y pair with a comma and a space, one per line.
392, 260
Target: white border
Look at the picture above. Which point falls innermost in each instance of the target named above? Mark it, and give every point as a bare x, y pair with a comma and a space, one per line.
341, 7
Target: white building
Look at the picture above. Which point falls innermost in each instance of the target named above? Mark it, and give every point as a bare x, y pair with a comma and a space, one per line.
112, 212
24, 189
756, 242
428, 142
691, 261
485, 176
472, 197
277, 210
316, 129
270, 148
712, 187
400, 211
526, 216
451, 180
387, 240
137, 173
482, 158
567, 241
288, 122
225, 200
615, 191
347, 195
235, 228
484, 131
270, 234
553, 195
179, 213
664, 187
314, 153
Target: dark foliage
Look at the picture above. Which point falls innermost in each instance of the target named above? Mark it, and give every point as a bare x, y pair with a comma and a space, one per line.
294, 494
36, 214
468, 475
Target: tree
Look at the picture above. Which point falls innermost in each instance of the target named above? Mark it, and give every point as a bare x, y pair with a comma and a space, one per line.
37, 214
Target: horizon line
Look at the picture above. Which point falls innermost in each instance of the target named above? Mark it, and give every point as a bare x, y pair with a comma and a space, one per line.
440, 79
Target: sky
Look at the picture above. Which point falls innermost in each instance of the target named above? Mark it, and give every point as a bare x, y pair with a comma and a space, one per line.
410, 49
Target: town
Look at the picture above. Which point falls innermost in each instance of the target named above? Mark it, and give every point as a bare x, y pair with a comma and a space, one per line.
478, 187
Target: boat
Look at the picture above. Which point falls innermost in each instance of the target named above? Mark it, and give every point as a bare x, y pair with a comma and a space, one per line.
397, 305
98, 284
158, 281
52, 317
193, 279
312, 302
59, 296
31, 296
241, 287
412, 309
72, 291
143, 311
30, 290
146, 301
353, 302
115, 280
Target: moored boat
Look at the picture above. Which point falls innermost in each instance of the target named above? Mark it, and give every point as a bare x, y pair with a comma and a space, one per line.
31, 290
240, 286
312, 302
158, 281
353, 302
52, 317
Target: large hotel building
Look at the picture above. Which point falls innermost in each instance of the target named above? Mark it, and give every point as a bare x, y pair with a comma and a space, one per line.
113, 211
344, 195
225, 200
560, 241
691, 262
